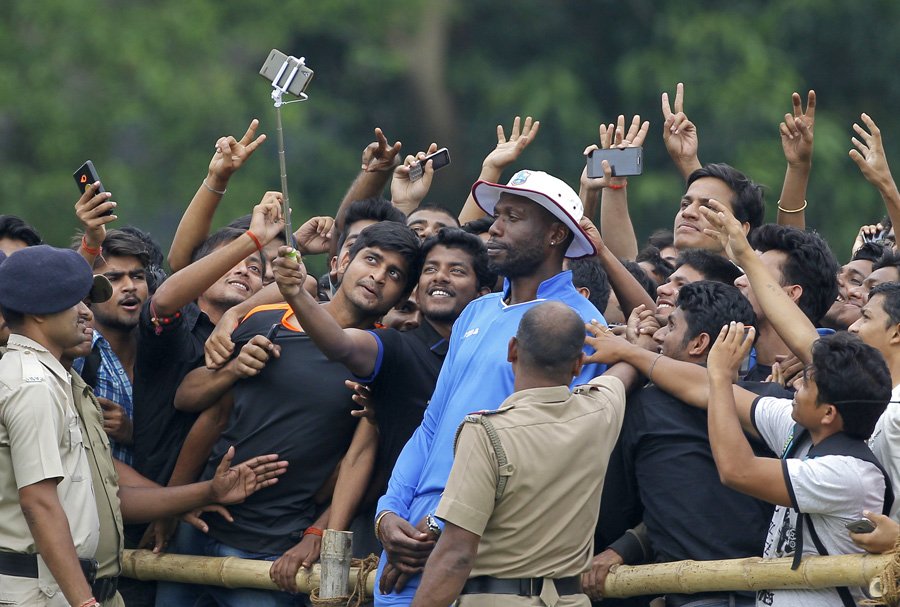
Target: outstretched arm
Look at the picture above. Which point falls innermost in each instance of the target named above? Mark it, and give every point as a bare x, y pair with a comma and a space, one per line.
680, 134
869, 156
189, 283
797, 142
789, 321
739, 468
90, 210
506, 153
355, 349
194, 226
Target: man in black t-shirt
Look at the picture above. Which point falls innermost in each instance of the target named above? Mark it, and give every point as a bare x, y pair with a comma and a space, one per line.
295, 402
402, 367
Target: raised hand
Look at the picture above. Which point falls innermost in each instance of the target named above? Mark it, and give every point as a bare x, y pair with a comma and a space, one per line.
315, 236
266, 222
380, 156
797, 131
679, 133
409, 194
90, 209
231, 154
290, 272
729, 350
614, 136
592, 233
727, 229
508, 150
869, 154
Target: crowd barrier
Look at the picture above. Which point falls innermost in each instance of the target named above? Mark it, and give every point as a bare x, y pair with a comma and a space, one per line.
336, 576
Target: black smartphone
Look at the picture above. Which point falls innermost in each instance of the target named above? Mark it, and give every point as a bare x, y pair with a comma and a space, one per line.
624, 162
862, 525
286, 72
85, 176
439, 160
273, 332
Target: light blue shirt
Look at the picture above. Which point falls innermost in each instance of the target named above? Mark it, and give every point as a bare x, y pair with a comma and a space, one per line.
475, 376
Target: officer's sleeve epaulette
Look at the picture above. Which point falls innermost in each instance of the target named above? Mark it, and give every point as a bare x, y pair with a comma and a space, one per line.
504, 468
32, 369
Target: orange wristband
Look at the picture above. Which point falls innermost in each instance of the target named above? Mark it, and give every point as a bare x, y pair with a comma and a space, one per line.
313, 531
618, 187
255, 240
95, 251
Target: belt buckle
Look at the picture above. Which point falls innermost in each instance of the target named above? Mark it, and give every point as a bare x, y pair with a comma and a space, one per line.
527, 587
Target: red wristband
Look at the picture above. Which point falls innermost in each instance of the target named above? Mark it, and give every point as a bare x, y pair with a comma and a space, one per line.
618, 187
95, 251
255, 240
313, 531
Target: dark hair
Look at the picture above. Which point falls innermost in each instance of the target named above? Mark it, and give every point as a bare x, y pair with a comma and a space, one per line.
13, 318
854, 378
809, 263
215, 240
890, 291
550, 337
478, 226
15, 228
375, 209
869, 251
155, 272
661, 239
747, 205
396, 237
709, 305
646, 282
711, 266
661, 267
587, 272
436, 208
455, 238
890, 258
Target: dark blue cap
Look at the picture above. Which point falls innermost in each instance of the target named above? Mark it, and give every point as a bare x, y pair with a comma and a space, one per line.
44, 280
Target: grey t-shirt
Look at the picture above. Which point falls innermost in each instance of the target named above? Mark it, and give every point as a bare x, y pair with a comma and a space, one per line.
832, 489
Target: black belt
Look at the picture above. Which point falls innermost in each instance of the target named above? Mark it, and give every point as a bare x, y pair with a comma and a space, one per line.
25, 565
486, 584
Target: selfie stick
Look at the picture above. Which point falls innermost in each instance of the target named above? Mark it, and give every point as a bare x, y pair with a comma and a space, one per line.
278, 90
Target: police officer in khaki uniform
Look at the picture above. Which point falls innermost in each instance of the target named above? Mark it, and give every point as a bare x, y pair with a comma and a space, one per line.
49, 526
523, 495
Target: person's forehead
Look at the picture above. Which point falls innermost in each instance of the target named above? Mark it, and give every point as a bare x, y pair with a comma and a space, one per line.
431, 216
508, 200
885, 274
444, 254
686, 274
710, 187
119, 263
859, 266
774, 261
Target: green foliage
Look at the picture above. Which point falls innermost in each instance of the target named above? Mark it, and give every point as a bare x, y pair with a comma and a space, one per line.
145, 89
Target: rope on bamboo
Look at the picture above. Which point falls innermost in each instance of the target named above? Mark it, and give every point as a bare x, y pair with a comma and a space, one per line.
889, 581
358, 596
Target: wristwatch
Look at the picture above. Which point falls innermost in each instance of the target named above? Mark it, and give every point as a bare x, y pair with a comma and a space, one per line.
432, 525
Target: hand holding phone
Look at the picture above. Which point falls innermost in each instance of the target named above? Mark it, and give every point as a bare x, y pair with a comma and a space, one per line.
438, 159
85, 177
862, 525
624, 162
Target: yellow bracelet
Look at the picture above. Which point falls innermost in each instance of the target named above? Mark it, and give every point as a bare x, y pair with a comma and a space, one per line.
378, 523
783, 210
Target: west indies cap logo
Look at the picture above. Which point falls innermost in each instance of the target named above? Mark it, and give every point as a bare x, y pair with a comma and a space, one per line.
520, 178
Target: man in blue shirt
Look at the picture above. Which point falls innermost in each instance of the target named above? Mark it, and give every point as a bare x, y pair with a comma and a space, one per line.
535, 227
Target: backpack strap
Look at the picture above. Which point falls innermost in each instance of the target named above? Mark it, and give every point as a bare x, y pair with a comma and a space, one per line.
843, 591
504, 468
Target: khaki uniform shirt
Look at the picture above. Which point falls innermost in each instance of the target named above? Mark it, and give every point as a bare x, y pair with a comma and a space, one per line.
40, 438
105, 481
557, 445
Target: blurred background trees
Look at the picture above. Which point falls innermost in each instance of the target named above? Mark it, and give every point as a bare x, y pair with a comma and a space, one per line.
145, 88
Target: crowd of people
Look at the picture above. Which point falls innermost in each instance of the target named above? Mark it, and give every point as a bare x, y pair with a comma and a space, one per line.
504, 403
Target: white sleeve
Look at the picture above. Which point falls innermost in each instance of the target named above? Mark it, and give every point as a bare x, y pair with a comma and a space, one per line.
885, 445
836, 485
772, 419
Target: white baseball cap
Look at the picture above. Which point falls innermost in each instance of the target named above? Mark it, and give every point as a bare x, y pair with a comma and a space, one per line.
546, 190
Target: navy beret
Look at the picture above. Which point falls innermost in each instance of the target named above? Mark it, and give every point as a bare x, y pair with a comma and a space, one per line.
44, 280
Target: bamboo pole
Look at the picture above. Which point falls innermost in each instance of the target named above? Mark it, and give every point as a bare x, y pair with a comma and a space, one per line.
684, 577
229, 571
688, 577
335, 557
